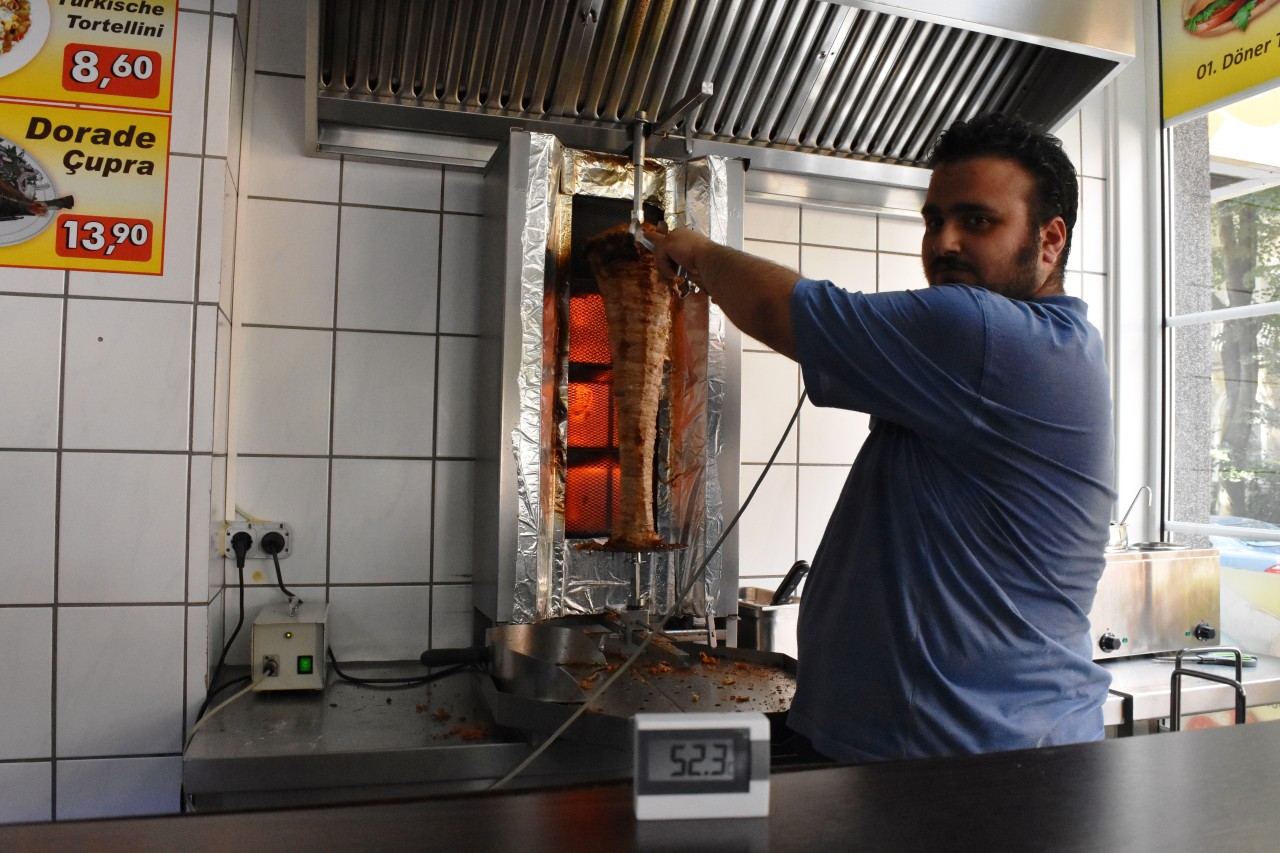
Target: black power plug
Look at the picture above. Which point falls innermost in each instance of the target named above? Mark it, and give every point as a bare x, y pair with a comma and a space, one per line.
273, 543
240, 544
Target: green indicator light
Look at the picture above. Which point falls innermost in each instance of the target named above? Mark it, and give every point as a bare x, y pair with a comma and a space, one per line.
1125, 640
1188, 634
304, 664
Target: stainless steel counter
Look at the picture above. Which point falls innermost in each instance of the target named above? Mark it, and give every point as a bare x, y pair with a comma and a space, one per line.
355, 743
1142, 685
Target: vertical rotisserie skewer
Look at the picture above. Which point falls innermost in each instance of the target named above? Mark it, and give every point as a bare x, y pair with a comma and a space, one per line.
638, 309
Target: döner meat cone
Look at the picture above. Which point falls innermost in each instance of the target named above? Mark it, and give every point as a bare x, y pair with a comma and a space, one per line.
637, 303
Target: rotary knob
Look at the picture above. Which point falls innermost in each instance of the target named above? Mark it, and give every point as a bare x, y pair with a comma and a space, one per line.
1204, 632
1109, 642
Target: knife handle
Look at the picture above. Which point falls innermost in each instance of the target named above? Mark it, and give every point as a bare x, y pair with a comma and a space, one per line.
787, 589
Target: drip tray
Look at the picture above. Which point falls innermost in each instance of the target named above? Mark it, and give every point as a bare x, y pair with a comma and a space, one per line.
681, 677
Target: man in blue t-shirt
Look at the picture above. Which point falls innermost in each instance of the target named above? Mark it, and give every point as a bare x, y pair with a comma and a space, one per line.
946, 610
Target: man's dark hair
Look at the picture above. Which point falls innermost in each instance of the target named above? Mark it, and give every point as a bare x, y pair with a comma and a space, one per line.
1040, 153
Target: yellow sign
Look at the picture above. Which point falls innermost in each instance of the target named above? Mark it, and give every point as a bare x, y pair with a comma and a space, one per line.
116, 53
1214, 51
82, 189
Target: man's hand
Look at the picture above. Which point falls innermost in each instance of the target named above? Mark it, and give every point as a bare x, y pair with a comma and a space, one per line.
679, 248
754, 294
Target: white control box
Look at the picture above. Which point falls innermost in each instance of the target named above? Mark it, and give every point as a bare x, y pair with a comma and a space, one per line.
287, 647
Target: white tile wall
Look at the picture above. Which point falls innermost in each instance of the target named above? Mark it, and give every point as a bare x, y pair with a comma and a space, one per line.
392, 416
852, 270
26, 666
451, 615
459, 388
818, 488
26, 794
463, 191
281, 402
845, 229
767, 528
18, 280
203, 540
120, 680
278, 166
770, 389
30, 364
118, 787
28, 506
291, 258
123, 535
109, 381
900, 236
380, 622
142, 346
387, 269
381, 521
190, 59
204, 378
787, 254
390, 185
900, 272
776, 222
454, 510
221, 57
295, 491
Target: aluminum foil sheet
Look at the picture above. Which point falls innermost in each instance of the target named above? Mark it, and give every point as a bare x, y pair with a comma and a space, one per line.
553, 578
529, 442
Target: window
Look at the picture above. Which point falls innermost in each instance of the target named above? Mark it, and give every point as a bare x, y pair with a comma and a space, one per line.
1224, 335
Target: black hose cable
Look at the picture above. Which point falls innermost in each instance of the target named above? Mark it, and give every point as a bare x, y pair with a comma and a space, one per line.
226, 648
410, 681
280, 578
694, 578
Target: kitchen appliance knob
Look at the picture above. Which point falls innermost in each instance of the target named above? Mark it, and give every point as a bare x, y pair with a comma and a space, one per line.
1204, 631
1109, 642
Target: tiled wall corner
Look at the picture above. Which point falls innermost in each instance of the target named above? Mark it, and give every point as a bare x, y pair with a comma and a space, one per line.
353, 381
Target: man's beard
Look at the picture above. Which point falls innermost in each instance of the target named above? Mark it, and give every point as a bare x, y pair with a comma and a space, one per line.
1020, 280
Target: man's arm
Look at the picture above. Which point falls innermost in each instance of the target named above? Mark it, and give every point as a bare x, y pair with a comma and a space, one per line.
754, 294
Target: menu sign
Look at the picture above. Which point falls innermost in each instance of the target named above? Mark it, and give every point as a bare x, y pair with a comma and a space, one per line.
1214, 52
86, 88
90, 188
113, 53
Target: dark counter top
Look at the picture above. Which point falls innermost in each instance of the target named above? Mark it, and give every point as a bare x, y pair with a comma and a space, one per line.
1214, 789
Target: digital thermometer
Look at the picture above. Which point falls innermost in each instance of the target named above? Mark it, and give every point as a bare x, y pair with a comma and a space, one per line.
701, 766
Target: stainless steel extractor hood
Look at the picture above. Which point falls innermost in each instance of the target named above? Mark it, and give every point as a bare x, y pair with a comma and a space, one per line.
843, 80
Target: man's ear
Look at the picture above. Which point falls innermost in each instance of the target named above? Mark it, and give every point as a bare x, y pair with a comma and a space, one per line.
1053, 239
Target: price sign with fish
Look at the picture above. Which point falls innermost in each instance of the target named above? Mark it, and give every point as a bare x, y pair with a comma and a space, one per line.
108, 53
82, 189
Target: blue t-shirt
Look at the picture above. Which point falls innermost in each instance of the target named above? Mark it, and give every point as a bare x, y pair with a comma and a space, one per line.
946, 610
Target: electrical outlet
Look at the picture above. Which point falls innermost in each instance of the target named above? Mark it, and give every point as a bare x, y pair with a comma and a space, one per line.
258, 530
